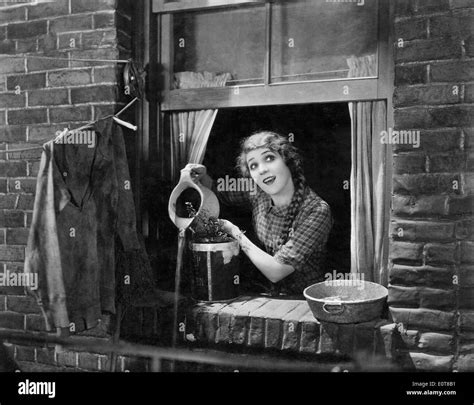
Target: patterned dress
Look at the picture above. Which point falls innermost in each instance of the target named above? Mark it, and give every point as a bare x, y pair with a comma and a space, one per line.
305, 248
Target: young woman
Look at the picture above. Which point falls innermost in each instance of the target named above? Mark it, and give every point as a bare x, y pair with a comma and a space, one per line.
291, 221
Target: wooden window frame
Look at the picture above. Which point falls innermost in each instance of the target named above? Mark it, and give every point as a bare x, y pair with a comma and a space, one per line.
302, 92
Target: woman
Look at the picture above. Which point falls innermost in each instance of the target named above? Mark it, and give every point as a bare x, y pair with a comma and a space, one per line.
290, 220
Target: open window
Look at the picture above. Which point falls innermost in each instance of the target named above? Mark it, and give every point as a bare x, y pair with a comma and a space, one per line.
247, 59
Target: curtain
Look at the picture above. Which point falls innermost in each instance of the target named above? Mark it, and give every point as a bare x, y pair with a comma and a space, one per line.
190, 129
370, 191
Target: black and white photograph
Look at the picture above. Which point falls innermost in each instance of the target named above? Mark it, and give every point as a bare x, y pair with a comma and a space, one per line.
258, 194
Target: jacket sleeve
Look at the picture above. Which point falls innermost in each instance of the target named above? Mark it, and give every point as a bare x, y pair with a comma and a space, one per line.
42, 257
126, 218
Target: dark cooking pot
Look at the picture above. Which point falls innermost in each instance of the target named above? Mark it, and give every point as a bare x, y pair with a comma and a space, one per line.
341, 301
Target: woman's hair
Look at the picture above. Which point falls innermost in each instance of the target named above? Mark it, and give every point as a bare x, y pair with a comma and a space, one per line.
279, 144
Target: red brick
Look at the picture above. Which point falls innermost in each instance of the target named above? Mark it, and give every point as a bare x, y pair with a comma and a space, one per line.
70, 114
13, 14
45, 355
11, 320
27, 29
461, 205
12, 219
23, 304
448, 163
27, 185
466, 320
437, 299
13, 268
24, 155
40, 134
8, 201
12, 169
459, 71
104, 20
454, 25
12, 65
48, 64
309, 333
403, 296
7, 46
328, 337
423, 318
411, 29
49, 9
206, 321
3, 301
423, 50
35, 323
467, 252
466, 298
241, 323
437, 342
346, 339
48, 97
422, 276
405, 75
25, 353
26, 45
17, 236
95, 93
101, 39
69, 78
404, 8
106, 75
436, 253
406, 251
422, 95
25, 82
432, 363
28, 116
135, 364
456, 4
427, 183
421, 230
464, 229
12, 134
82, 6
69, 41
431, 6
88, 361
257, 321
71, 23
66, 358
465, 363
292, 328
420, 205
466, 276
225, 319
409, 163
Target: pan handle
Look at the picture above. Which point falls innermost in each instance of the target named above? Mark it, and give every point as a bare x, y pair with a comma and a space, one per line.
338, 307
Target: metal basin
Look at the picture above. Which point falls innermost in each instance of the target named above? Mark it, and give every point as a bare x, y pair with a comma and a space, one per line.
339, 302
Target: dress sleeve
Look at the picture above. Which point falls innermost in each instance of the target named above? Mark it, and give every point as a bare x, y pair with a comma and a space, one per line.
308, 236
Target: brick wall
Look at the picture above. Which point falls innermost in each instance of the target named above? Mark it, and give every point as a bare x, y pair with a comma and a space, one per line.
432, 234
37, 98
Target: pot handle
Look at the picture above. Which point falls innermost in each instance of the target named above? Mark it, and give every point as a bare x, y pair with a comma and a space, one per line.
339, 307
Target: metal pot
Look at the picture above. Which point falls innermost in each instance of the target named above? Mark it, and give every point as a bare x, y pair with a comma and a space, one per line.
346, 301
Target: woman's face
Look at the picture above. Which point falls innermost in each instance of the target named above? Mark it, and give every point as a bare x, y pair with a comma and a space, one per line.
269, 171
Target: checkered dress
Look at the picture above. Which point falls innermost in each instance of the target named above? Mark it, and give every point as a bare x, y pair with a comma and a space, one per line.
305, 248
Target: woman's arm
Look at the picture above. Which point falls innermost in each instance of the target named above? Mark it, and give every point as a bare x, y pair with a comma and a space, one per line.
270, 268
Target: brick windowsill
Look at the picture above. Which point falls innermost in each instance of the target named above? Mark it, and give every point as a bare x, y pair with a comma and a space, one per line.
282, 324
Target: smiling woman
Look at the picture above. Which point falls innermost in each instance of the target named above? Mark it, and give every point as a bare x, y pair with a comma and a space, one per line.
290, 220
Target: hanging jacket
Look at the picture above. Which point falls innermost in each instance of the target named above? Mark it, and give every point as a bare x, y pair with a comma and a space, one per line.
83, 202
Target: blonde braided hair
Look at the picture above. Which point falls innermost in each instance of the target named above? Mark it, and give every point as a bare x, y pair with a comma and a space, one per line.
279, 144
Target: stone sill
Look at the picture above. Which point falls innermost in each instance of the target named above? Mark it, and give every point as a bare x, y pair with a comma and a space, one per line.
282, 324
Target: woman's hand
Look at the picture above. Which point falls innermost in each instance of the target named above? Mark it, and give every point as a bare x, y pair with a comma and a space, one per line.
229, 227
199, 173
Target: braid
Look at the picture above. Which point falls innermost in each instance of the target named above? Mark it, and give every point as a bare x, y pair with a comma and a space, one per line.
294, 207
293, 160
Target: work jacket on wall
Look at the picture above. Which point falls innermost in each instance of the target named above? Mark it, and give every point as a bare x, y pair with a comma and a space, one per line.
83, 201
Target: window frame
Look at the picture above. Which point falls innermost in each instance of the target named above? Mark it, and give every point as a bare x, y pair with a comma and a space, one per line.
292, 92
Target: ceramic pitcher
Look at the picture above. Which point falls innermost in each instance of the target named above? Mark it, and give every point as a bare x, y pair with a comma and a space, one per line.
209, 204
